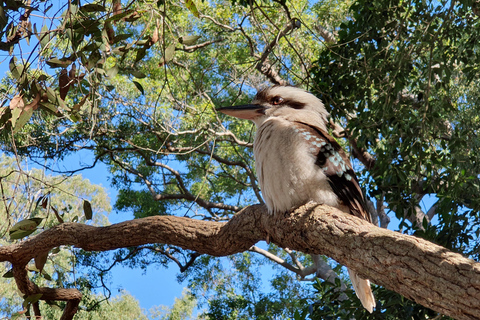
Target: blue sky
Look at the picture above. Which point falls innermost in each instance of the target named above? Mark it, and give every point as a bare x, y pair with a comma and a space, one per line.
156, 285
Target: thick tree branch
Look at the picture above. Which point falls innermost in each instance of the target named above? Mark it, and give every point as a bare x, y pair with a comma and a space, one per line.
419, 270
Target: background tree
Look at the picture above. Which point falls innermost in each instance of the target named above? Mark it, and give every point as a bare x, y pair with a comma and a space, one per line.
137, 83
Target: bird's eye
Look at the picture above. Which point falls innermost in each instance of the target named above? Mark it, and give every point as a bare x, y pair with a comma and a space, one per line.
277, 100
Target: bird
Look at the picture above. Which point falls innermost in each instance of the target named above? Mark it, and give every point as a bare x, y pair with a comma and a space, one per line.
297, 161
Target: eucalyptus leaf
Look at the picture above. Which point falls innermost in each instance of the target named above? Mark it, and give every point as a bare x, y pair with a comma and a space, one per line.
8, 274
192, 7
139, 87
137, 74
59, 63
33, 298
189, 40
87, 210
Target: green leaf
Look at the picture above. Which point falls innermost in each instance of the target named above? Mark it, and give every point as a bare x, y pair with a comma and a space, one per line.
169, 54
93, 59
93, 7
55, 250
100, 71
119, 16
3, 18
51, 95
32, 299
49, 107
19, 234
59, 63
137, 74
26, 225
141, 53
14, 70
75, 117
112, 72
120, 37
87, 210
139, 87
44, 36
22, 119
189, 40
192, 7
8, 274
46, 276
15, 115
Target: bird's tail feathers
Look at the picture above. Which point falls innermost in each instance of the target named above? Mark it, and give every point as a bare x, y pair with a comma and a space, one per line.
363, 290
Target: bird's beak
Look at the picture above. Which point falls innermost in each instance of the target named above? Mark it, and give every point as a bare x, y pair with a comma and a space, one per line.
245, 111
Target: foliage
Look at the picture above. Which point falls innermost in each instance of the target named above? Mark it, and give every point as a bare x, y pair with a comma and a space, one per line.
235, 288
182, 308
407, 82
122, 307
137, 83
30, 193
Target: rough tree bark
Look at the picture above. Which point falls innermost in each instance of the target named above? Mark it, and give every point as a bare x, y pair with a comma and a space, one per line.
419, 270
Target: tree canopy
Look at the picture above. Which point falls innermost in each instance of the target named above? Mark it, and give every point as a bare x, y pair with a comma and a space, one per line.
136, 84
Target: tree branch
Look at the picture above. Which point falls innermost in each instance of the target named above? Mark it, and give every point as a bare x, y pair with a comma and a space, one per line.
264, 66
419, 270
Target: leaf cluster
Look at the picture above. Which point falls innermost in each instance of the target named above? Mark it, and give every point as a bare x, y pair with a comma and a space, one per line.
402, 75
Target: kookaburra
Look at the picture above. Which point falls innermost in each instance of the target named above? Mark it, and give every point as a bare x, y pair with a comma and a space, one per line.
297, 161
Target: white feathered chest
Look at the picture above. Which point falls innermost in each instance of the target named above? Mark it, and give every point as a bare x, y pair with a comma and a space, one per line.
285, 159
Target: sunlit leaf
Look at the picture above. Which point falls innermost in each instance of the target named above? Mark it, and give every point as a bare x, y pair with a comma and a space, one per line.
75, 117
112, 72
22, 119
33, 298
169, 54
192, 7
26, 225
19, 234
44, 36
189, 40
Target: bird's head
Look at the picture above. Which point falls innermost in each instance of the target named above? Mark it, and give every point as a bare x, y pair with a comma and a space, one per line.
290, 103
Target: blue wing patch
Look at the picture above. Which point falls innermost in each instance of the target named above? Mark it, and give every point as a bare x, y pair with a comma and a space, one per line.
336, 166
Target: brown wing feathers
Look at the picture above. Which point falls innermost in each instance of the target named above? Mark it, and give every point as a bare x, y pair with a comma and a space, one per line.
337, 167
